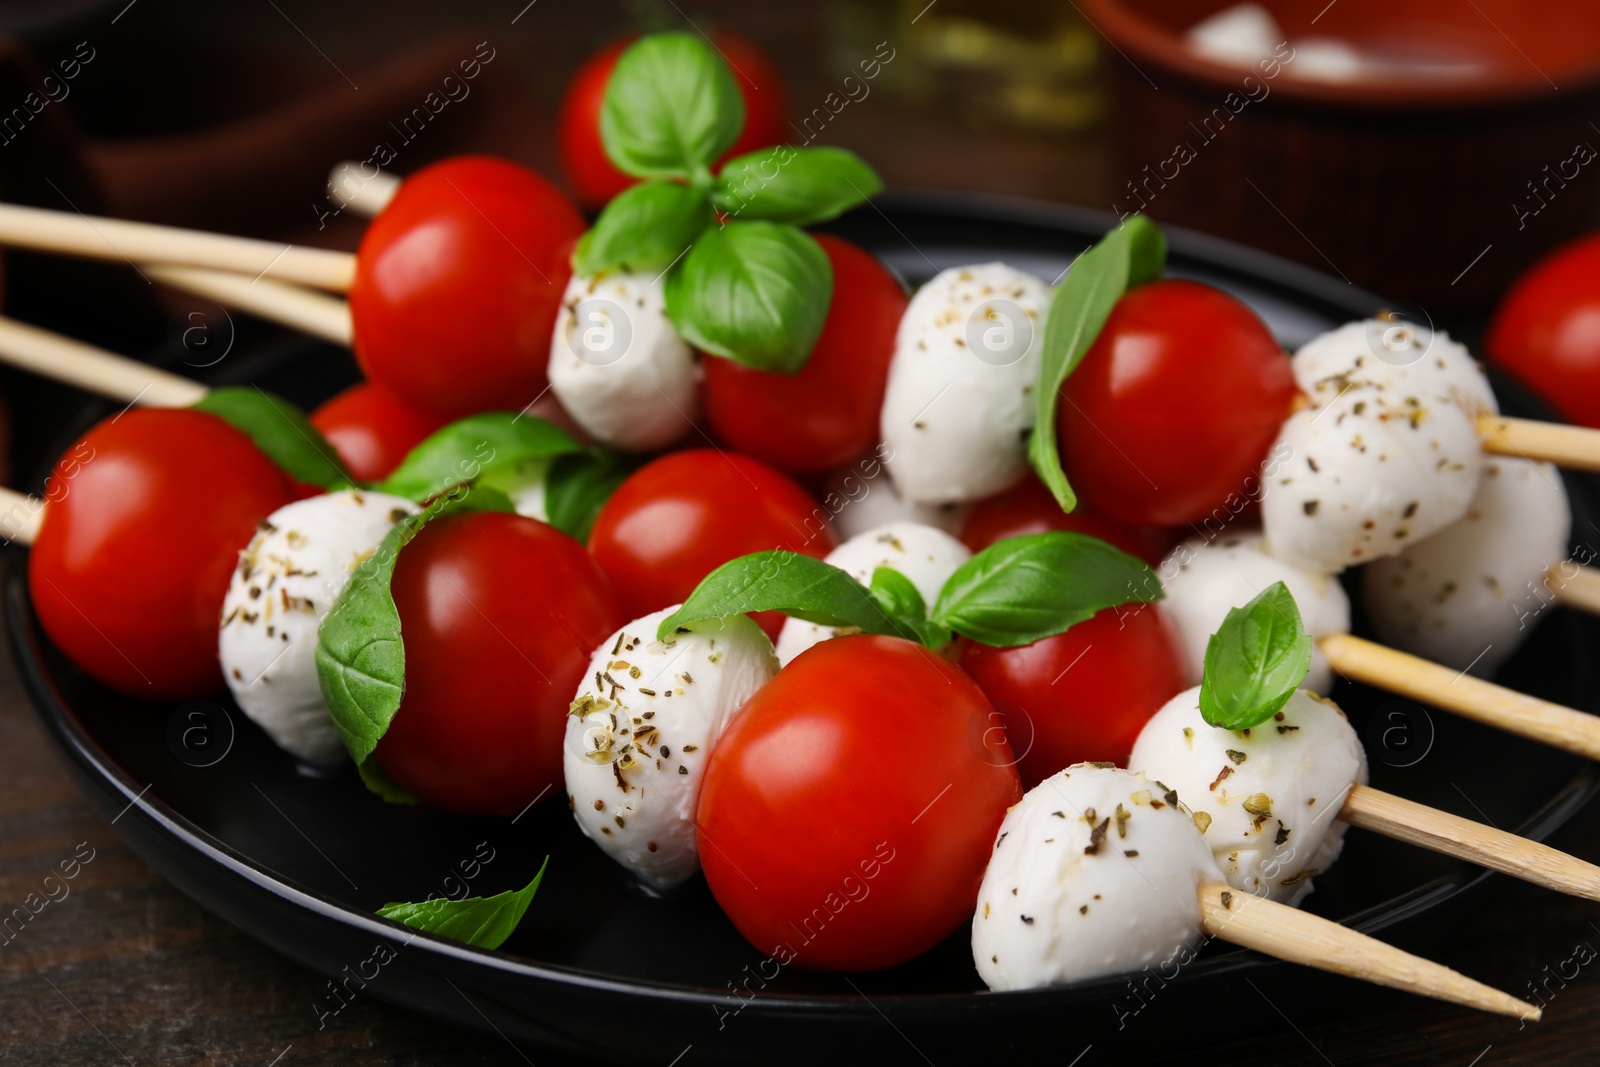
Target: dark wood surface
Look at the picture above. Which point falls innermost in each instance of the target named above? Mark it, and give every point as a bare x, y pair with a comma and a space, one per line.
126, 969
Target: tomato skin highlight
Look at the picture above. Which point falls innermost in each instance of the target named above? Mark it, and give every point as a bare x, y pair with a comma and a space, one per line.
1546, 332
1174, 406
372, 431
457, 286
146, 518
1081, 696
827, 414
589, 171
680, 517
499, 615
1028, 508
849, 810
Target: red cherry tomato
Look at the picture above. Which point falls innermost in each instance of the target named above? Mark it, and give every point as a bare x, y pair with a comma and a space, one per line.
680, 517
1029, 508
1174, 406
1083, 695
827, 414
500, 615
457, 286
590, 173
145, 519
372, 431
1546, 333
849, 811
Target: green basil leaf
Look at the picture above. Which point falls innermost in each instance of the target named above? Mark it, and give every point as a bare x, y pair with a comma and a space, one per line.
645, 227
483, 922
1255, 662
753, 292
801, 186
1023, 589
671, 107
1129, 255
897, 594
280, 430
377, 781
466, 449
361, 660
795, 584
578, 486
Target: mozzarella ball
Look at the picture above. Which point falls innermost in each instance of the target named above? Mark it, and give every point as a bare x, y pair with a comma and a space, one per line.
1205, 578
863, 497
287, 579
1272, 794
618, 367
923, 554
959, 404
1096, 871
1398, 359
642, 728
1469, 595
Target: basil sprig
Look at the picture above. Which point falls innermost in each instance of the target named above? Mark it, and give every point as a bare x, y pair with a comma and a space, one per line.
470, 447
577, 487
281, 431
361, 659
483, 922
1255, 661
742, 282
1015, 592
1128, 256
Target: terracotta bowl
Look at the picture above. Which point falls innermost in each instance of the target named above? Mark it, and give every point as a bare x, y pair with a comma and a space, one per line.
1436, 190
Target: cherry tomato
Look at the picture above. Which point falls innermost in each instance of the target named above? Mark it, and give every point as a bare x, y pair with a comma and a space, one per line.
827, 414
372, 431
1029, 508
590, 173
457, 286
849, 811
500, 614
680, 517
1174, 406
1083, 695
1546, 333
143, 525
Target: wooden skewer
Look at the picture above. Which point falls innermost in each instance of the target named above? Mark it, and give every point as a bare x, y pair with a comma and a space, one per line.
93, 369
361, 194
140, 242
1472, 698
327, 317
1301, 937
1572, 447
1580, 590
20, 516
1439, 831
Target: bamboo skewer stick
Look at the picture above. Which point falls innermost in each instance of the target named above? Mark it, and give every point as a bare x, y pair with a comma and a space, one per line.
20, 516
363, 195
327, 317
1580, 591
1472, 698
1439, 831
1572, 447
93, 369
138, 242
1300, 937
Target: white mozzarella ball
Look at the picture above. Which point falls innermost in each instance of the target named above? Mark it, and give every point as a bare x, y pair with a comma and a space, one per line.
863, 497
642, 728
1468, 595
617, 365
1206, 577
1096, 871
287, 579
1401, 360
927, 556
960, 399
1272, 794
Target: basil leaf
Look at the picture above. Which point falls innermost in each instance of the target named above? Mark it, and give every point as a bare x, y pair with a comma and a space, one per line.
1255, 662
897, 594
1129, 255
482, 922
377, 780
795, 185
797, 585
280, 430
671, 108
578, 486
464, 450
361, 660
753, 292
1023, 589
646, 227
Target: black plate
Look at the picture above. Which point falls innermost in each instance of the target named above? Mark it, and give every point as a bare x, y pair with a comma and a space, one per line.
600, 969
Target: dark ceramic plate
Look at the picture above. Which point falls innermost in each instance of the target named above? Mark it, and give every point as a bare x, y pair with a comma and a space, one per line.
598, 969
